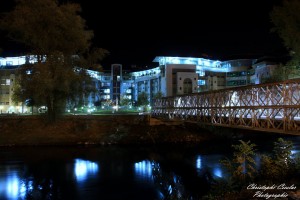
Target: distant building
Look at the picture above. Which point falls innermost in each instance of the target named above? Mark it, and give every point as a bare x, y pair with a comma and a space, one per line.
8, 69
7, 78
172, 76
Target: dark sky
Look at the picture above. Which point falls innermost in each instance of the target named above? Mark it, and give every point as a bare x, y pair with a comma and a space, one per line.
137, 31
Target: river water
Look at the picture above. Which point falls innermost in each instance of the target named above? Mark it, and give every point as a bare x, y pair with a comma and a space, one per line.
116, 172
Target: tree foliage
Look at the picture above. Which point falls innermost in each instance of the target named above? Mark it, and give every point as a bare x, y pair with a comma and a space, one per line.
279, 165
283, 151
158, 95
125, 101
57, 37
142, 99
44, 26
281, 73
243, 165
286, 20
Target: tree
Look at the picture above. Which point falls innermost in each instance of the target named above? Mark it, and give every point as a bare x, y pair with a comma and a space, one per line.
57, 37
286, 20
158, 95
243, 165
125, 101
279, 165
280, 74
282, 152
143, 100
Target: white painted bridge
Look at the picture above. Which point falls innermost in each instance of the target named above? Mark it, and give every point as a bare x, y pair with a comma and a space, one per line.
272, 107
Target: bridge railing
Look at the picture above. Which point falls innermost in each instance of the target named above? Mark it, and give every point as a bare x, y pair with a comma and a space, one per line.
273, 107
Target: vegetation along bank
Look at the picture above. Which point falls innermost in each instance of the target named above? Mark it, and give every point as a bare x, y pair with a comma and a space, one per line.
95, 129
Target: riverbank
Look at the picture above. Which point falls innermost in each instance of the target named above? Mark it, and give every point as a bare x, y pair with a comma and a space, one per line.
112, 129
97, 130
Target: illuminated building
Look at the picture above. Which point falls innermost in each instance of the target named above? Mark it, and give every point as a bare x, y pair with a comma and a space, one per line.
172, 76
8, 67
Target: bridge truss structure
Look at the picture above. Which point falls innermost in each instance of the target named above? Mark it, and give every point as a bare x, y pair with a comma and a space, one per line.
272, 107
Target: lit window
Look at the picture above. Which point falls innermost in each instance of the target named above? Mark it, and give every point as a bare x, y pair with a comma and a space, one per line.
9, 63
128, 91
106, 90
7, 82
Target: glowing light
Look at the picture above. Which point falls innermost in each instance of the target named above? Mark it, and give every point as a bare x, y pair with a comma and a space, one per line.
84, 168
198, 162
143, 169
217, 171
189, 61
294, 153
176, 61
12, 187
11, 109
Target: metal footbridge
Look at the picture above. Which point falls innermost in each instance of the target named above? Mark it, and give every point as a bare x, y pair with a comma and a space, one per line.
272, 107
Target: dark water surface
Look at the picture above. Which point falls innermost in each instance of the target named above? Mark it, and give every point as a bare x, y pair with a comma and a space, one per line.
115, 172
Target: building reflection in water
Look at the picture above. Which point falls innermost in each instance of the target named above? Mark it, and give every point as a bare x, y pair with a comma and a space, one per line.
84, 168
12, 187
143, 170
209, 164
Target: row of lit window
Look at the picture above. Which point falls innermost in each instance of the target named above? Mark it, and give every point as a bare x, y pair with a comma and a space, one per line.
5, 82
243, 73
201, 82
8, 63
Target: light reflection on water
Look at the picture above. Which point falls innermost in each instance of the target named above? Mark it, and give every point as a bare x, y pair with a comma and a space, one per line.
84, 177
143, 170
211, 163
105, 173
12, 186
84, 168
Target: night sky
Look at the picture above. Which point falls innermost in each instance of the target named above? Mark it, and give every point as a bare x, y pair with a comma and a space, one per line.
136, 32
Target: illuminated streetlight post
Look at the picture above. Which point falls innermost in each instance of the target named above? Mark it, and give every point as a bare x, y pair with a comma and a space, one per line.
117, 104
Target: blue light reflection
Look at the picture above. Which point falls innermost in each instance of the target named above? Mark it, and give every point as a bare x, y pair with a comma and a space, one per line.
217, 171
210, 163
12, 187
84, 168
198, 162
143, 170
